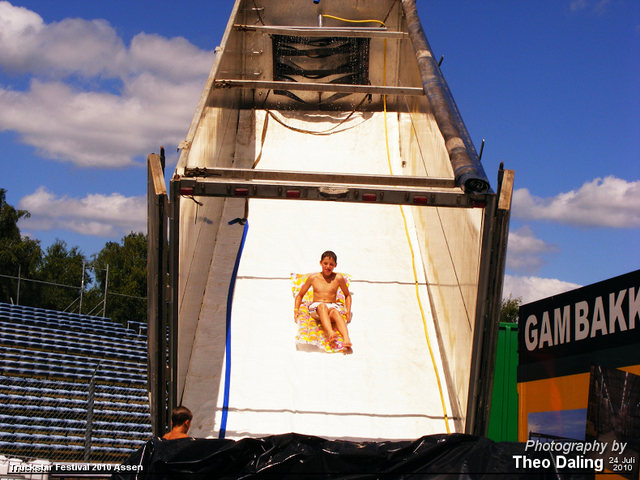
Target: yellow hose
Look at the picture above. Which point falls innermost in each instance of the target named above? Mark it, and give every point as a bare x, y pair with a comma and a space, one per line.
353, 21
413, 258
404, 218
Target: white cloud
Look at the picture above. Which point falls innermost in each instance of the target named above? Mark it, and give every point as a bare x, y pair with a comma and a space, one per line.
101, 215
609, 202
28, 45
174, 58
524, 253
91, 48
71, 111
531, 289
99, 129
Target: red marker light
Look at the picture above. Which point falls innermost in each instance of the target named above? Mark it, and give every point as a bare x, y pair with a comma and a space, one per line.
419, 200
293, 194
477, 204
369, 197
241, 192
187, 192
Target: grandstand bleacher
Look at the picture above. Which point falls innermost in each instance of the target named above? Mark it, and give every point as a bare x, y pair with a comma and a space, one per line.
47, 362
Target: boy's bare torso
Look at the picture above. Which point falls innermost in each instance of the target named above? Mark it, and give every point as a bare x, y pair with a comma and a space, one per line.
325, 285
325, 289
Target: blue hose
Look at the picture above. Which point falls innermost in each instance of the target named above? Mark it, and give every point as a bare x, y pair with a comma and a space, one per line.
227, 373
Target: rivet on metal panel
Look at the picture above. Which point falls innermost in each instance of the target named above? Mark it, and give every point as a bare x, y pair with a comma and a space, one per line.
433, 198
228, 188
255, 190
279, 191
458, 199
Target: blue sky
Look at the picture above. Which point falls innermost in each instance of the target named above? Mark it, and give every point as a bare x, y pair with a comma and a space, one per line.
88, 89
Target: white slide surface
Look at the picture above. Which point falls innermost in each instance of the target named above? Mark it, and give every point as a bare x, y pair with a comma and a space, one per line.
387, 388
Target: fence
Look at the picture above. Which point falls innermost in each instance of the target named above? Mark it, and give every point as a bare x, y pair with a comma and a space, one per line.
72, 387
71, 421
76, 298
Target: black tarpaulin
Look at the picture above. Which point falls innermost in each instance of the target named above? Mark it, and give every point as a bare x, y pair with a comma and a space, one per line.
453, 456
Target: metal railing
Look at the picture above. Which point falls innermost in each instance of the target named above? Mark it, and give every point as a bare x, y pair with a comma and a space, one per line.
71, 421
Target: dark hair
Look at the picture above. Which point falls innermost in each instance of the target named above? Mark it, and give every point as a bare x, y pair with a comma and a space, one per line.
329, 254
179, 415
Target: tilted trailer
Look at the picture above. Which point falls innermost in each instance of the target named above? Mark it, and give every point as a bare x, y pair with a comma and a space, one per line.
325, 125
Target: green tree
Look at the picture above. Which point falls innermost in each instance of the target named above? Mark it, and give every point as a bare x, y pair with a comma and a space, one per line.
509, 309
126, 279
63, 266
61, 281
18, 255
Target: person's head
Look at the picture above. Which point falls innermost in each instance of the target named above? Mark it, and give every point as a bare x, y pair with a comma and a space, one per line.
331, 255
328, 261
181, 416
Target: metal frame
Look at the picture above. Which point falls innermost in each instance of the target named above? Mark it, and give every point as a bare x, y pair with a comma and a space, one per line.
172, 323
379, 32
469, 189
319, 87
384, 189
157, 205
387, 189
494, 253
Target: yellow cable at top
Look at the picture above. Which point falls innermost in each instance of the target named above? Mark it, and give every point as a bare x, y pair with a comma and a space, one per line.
353, 21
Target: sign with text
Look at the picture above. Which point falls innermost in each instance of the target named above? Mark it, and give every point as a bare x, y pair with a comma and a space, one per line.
579, 353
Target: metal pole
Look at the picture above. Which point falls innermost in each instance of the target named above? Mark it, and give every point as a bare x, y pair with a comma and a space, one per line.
174, 275
467, 168
18, 294
81, 289
104, 299
157, 291
90, 402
